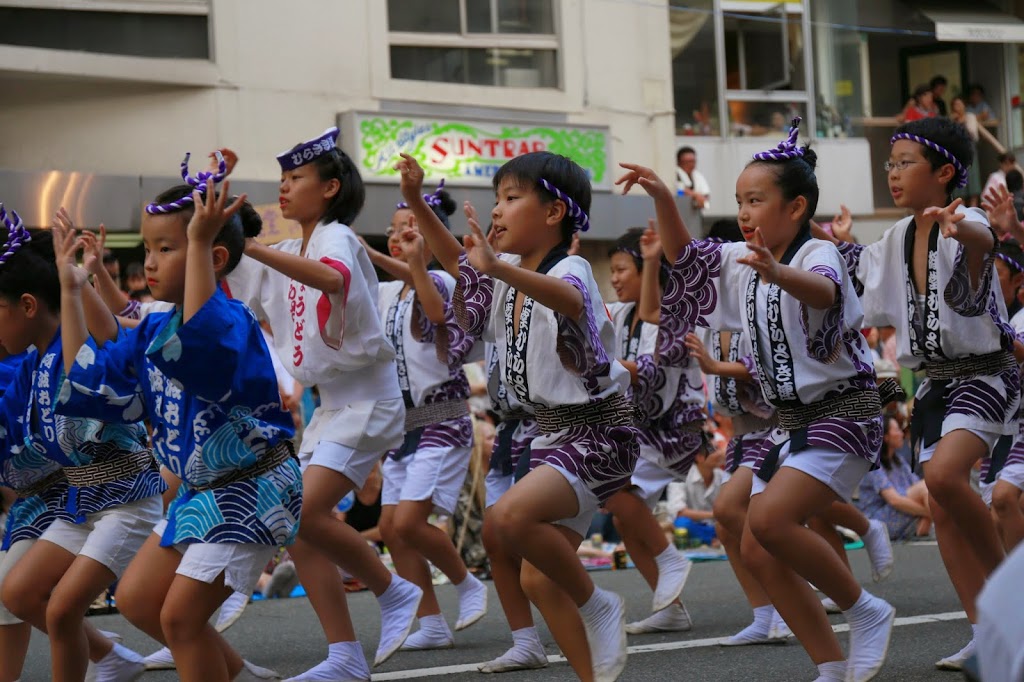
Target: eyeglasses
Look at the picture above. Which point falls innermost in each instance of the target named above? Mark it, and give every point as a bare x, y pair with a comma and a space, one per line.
901, 165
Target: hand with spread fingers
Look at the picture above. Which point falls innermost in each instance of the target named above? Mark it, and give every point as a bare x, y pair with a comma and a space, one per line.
1002, 214
66, 245
478, 250
761, 259
699, 352
211, 212
947, 218
645, 178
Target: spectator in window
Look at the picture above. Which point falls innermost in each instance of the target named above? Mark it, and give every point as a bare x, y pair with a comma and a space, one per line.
938, 87
921, 105
971, 194
691, 181
977, 105
1007, 163
892, 493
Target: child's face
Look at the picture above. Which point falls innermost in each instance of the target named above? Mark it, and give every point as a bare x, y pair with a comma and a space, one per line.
761, 205
625, 277
1009, 281
522, 222
303, 196
166, 244
399, 221
17, 327
917, 186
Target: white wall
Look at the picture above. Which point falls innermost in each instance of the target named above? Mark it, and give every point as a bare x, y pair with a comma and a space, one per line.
844, 170
283, 71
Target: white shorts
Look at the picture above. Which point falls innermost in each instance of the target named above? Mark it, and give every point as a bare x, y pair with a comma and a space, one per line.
989, 438
113, 536
649, 482
840, 471
241, 563
585, 497
349, 440
497, 485
7, 561
428, 474
1011, 473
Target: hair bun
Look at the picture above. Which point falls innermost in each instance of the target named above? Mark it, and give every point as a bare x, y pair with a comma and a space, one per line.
810, 156
447, 204
252, 223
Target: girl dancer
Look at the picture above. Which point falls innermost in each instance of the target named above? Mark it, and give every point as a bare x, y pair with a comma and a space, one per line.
668, 392
218, 426
949, 321
533, 298
428, 470
112, 500
516, 431
792, 296
319, 294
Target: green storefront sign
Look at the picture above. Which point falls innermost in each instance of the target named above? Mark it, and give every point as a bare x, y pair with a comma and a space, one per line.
467, 152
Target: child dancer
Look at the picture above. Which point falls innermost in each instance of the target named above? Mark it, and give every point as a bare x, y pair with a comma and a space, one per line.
794, 299
533, 298
950, 321
221, 431
319, 294
516, 431
112, 500
428, 470
668, 391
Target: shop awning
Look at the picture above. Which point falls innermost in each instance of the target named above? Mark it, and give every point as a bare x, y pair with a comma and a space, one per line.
975, 24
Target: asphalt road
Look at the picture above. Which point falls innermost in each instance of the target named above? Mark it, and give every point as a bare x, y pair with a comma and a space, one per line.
284, 634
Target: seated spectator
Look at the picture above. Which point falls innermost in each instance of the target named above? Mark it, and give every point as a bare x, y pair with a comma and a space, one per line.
1007, 162
892, 493
694, 499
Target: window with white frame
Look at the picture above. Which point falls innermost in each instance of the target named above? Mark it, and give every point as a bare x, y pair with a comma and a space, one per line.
506, 43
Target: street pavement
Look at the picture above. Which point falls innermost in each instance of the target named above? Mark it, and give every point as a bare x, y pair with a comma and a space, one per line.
284, 634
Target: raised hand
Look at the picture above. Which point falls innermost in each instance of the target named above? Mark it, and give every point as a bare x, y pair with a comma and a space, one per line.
947, 218
645, 177
66, 245
761, 259
478, 250
411, 174
230, 160
411, 242
650, 244
1002, 214
211, 212
699, 352
92, 250
842, 224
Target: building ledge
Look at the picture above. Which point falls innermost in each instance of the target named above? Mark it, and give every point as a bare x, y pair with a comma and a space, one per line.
46, 62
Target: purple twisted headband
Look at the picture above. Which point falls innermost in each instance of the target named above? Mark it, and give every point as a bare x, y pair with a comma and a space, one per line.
1014, 265
17, 234
787, 149
432, 199
580, 218
198, 182
961, 170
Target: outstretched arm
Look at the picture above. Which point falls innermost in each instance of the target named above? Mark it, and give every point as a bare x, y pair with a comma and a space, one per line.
976, 238
442, 242
551, 292
73, 279
671, 228
810, 288
712, 365
998, 203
